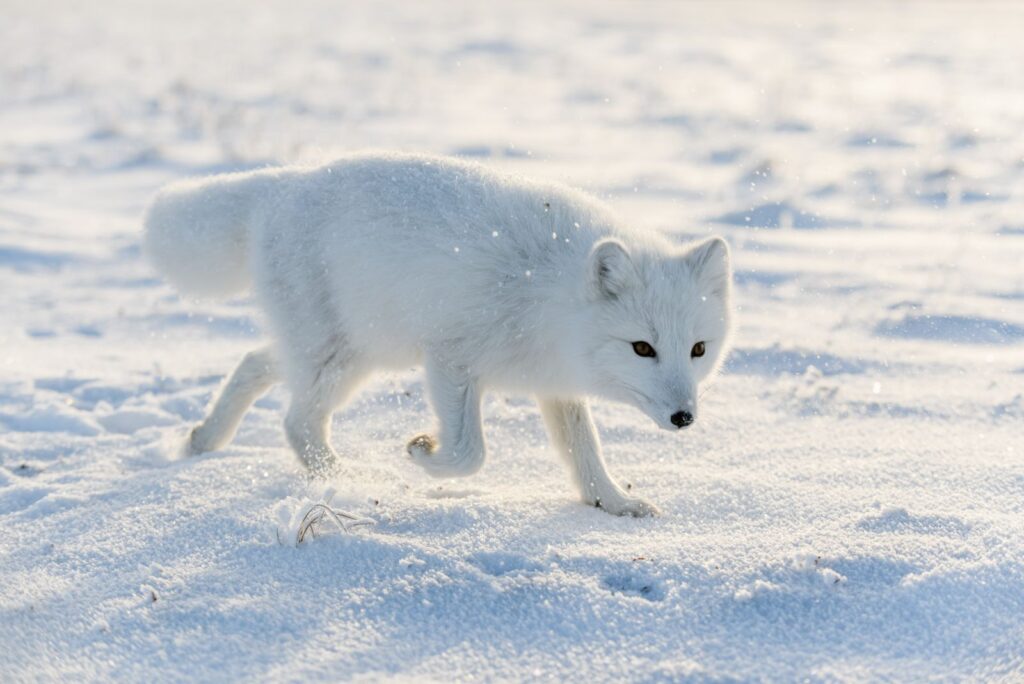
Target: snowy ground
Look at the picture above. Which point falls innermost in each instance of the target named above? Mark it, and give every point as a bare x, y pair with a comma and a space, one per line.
850, 508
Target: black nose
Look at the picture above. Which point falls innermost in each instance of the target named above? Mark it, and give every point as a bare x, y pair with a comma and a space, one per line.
682, 418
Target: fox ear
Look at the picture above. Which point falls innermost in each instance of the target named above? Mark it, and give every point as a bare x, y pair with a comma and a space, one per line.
709, 262
612, 271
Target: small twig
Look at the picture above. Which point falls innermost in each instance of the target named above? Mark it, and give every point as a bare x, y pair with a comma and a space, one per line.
316, 515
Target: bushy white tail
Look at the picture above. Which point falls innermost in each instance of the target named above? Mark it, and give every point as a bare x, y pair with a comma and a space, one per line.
197, 232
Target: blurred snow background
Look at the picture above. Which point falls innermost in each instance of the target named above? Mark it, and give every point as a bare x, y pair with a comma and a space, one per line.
850, 507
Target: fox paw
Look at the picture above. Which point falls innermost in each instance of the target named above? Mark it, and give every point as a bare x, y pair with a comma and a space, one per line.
439, 461
420, 446
624, 505
198, 442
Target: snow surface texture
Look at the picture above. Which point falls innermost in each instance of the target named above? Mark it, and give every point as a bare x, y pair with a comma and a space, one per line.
850, 506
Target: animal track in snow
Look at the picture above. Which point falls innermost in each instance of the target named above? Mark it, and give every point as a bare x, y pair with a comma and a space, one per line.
635, 585
499, 564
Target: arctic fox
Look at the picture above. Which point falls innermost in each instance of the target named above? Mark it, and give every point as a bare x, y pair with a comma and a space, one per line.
382, 261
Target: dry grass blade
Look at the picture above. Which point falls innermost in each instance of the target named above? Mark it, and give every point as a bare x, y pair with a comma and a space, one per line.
316, 515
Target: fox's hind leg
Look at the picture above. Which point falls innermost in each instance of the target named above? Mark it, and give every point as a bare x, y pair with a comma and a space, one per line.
316, 392
254, 376
455, 397
573, 433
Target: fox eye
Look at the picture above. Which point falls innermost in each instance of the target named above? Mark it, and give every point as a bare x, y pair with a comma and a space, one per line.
644, 349
698, 350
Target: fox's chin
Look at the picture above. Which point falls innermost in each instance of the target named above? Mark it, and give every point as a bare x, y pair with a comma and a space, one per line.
661, 417
663, 423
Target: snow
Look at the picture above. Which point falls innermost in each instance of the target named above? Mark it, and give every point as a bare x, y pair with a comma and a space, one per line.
850, 505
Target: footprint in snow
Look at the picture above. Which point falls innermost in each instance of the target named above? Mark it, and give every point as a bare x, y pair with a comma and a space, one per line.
498, 564
635, 585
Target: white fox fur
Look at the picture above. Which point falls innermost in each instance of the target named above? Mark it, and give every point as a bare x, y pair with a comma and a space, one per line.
384, 261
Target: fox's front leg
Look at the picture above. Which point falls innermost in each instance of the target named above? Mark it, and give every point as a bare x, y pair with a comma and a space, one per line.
455, 396
573, 434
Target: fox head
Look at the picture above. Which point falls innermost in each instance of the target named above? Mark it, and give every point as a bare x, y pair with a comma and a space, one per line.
658, 325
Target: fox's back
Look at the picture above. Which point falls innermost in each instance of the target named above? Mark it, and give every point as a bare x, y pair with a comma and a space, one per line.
439, 203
